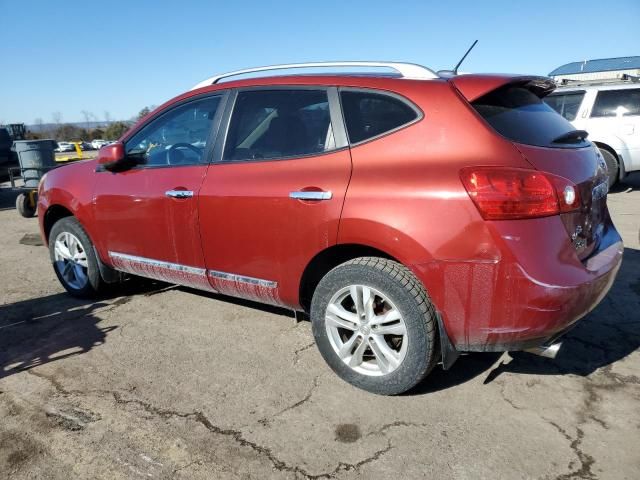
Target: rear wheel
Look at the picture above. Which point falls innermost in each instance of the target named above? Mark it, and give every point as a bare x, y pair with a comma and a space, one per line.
612, 166
74, 259
374, 325
25, 206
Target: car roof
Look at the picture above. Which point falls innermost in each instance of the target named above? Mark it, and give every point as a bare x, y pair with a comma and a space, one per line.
471, 85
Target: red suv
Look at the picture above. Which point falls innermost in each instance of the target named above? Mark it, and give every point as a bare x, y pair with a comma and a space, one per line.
413, 216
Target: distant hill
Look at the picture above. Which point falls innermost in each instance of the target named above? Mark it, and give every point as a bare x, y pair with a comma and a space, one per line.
46, 127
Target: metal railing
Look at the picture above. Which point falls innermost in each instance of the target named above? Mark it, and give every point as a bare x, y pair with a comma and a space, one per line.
404, 70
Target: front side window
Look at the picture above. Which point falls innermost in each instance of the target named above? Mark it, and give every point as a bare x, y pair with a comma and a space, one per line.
369, 114
268, 124
566, 104
611, 103
177, 137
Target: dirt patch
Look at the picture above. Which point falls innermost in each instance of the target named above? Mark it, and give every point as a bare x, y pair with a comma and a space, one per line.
32, 240
73, 419
348, 433
16, 450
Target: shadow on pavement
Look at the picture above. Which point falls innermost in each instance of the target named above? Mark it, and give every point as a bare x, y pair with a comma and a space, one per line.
8, 197
630, 184
42, 330
608, 334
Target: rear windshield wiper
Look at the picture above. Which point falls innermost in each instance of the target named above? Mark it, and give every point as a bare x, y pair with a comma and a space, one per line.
573, 136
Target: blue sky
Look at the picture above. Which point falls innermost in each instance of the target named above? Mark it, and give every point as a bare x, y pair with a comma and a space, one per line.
119, 56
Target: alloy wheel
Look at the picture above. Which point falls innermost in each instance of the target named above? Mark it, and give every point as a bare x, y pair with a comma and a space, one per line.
71, 260
366, 330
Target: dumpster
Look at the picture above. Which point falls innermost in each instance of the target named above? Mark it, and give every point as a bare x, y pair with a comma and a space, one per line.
35, 157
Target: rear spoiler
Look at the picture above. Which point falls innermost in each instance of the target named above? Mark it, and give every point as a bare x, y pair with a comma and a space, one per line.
475, 86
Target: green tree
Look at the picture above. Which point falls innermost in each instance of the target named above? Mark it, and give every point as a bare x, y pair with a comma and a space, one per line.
96, 134
115, 130
144, 112
68, 132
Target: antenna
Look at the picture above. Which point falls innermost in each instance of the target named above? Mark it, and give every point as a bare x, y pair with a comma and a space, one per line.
455, 69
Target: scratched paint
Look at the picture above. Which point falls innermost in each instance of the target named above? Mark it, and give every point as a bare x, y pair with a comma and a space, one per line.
231, 285
250, 291
487, 305
191, 277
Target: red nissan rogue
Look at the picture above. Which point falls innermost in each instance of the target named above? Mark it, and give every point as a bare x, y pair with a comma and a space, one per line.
413, 215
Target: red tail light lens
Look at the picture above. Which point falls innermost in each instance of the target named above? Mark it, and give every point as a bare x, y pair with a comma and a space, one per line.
502, 193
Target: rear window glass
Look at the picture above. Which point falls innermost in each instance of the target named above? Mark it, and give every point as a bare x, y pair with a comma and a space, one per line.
521, 116
369, 114
566, 104
611, 103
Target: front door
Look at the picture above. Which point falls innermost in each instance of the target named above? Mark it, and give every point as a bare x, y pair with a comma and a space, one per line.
273, 198
147, 216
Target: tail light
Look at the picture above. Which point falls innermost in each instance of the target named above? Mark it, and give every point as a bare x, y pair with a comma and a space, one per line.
504, 193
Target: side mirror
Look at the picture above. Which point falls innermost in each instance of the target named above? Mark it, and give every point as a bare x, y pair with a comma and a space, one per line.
112, 156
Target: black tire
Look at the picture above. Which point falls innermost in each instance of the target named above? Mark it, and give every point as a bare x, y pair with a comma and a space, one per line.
24, 207
94, 284
612, 166
405, 291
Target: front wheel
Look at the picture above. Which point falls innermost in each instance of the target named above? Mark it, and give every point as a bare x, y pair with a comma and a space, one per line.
74, 259
374, 325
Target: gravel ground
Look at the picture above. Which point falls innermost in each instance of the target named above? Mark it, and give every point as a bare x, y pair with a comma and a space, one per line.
166, 382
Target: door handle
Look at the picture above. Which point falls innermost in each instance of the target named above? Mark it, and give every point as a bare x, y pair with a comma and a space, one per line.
179, 193
310, 195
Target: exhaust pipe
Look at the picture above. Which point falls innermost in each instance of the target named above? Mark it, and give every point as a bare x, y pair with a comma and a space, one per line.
547, 351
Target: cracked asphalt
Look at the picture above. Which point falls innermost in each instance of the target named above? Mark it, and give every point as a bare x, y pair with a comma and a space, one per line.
164, 382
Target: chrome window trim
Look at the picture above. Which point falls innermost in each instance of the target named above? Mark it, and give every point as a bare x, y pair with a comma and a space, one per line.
242, 279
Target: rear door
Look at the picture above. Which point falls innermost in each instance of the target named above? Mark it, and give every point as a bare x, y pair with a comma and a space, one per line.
147, 217
273, 196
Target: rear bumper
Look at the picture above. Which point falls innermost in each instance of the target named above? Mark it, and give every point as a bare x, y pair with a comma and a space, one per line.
533, 292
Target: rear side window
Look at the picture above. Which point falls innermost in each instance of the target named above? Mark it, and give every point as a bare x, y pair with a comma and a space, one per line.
521, 116
369, 114
610, 103
566, 104
269, 124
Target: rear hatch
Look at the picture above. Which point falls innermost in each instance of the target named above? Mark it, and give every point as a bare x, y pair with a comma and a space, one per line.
513, 107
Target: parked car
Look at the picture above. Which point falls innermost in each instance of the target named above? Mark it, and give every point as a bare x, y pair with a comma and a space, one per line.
610, 113
65, 147
414, 217
6, 156
98, 144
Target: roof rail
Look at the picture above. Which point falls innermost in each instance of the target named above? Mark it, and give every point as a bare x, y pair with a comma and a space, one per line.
574, 82
406, 70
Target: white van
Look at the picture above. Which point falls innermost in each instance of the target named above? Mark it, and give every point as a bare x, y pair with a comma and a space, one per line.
610, 113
